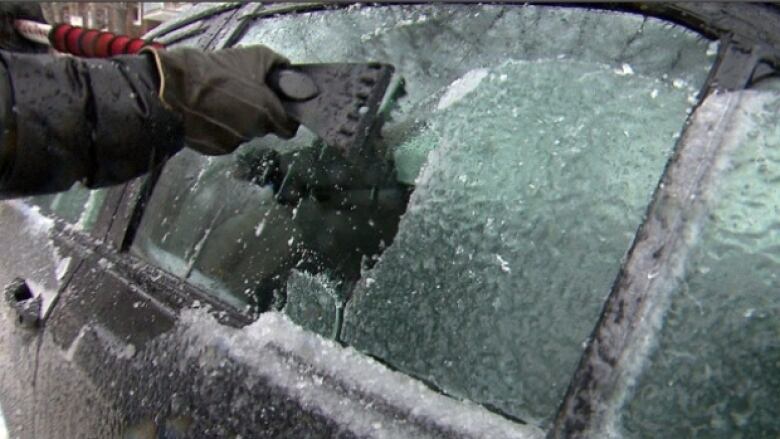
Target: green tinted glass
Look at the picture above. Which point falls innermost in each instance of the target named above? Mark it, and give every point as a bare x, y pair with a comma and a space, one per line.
534, 140
540, 138
716, 367
79, 205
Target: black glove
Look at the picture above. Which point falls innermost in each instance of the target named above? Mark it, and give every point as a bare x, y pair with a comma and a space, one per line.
9, 37
222, 96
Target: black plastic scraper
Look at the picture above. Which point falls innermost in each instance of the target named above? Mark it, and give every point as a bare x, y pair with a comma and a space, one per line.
338, 102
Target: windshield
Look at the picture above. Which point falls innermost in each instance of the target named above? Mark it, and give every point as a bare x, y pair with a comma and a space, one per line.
530, 139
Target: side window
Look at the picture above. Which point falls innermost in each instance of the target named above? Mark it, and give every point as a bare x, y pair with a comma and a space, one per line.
720, 333
79, 206
531, 142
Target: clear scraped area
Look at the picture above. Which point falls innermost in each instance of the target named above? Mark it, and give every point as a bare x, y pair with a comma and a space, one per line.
533, 139
716, 368
78, 206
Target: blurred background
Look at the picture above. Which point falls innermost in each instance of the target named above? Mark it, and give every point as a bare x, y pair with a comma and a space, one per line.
128, 18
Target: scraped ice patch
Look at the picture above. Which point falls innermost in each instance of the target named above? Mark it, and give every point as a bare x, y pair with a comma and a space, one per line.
313, 301
462, 87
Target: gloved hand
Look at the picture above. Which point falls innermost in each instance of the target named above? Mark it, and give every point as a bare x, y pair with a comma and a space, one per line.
222, 96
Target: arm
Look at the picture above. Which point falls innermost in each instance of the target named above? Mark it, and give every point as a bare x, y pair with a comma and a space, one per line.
67, 119
105, 121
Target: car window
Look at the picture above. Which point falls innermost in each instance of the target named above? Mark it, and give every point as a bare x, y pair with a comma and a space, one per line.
720, 334
79, 206
533, 140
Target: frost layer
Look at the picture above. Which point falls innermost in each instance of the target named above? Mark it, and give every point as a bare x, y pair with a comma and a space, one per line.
514, 235
544, 137
716, 370
433, 47
313, 302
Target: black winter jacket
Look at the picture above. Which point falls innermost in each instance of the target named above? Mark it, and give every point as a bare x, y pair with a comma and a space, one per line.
65, 119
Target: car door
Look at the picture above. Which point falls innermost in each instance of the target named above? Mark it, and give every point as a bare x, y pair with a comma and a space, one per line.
582, 209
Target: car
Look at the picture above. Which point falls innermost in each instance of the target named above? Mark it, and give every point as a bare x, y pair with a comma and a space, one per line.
576, 236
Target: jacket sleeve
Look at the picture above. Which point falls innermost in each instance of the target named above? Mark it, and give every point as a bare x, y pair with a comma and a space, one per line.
66, 119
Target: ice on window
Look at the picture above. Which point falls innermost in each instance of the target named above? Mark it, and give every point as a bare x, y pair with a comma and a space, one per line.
514, 234
442, 49
535, 140
716, 368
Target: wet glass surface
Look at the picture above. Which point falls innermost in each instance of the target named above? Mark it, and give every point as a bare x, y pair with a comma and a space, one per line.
79, 205
716, 368
515, 231
534, 141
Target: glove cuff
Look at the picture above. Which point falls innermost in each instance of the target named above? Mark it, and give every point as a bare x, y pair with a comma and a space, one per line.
222, 96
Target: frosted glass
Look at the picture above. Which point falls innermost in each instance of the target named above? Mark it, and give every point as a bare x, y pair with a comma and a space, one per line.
315, 301
534, 139
541, 167
716, 369
514, 235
